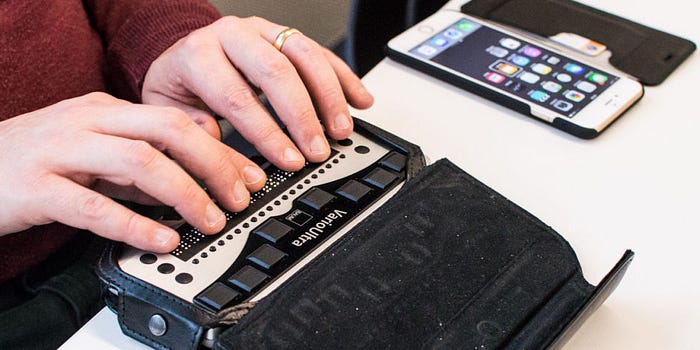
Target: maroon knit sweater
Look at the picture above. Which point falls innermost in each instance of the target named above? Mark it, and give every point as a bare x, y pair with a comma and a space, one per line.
51, 50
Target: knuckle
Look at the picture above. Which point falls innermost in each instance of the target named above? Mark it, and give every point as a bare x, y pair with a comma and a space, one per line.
307, 116
240, 98
196, 42
141, 154
274, 67
229, 21
191, 193
132, 223
267, 133
175, 119
92, 206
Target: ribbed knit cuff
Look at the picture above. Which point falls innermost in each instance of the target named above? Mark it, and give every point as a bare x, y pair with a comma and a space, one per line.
145, 36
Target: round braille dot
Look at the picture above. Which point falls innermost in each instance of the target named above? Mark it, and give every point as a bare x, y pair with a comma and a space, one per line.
285, 197
307, 181
321, 171
314, 176
204, 255
342, 156
300, 186
269, 207
229, 237
262, 213
220, 242
237, 231
292, 192
212, 249
328, 166
195, 261
253, 219
246, 225
335, 161
277, 203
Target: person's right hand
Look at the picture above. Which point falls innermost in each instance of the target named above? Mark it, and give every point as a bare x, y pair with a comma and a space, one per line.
62, 164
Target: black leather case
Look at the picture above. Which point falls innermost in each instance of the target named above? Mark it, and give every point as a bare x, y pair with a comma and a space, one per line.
648, 54
446, 263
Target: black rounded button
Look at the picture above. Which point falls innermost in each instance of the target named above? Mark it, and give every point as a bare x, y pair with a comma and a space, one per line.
345, 142
183, 278
166, 268
148, 258
362, 149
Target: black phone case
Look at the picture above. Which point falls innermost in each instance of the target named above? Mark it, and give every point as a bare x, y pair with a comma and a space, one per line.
648, 54
446, 263
491, 95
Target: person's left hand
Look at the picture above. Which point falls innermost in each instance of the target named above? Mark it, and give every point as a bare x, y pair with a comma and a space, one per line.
218, 68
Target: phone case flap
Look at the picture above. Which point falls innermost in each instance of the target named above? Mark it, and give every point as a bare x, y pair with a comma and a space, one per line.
648, 54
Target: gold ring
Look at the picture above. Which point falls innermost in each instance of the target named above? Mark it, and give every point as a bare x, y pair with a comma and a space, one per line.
282, 37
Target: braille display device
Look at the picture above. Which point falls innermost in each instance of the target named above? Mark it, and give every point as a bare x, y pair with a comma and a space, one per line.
289, 222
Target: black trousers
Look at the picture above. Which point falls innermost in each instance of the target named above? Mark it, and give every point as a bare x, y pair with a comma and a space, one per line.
42, 308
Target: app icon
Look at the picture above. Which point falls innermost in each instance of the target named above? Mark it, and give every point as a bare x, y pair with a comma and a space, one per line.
563, 77
574, 68
494, 77
529, 77
505, 68
440, 41
497, 51
519, 60
553, 60
509, 43
585, 86
427, 50
541, 68
453, 33
598, 78
466, 26
531, 51
574, 95
562, 105
539, 96
551, 86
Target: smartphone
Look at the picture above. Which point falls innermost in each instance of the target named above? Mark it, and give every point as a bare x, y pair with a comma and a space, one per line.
523, 73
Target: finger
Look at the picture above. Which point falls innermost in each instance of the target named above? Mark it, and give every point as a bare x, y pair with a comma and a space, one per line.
319, 77
126, 193
355, 92
229, 176
83, 208
270, 70
127, 162
228, 94
195, 109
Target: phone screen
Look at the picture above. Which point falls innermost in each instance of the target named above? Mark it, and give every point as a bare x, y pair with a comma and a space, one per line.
514, 65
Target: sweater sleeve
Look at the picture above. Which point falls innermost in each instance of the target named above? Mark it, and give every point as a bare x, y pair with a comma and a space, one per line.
136, 32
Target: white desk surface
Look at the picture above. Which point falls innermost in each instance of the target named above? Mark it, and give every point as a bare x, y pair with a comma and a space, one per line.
636, 186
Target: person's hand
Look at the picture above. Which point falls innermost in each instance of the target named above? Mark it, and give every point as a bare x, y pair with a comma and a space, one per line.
220, 66
62, 164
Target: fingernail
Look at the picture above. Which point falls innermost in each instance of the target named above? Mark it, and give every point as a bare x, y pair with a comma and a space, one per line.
214, 215
163, 236
318, 145
342, 122
240, 192
253, 174
290, 155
